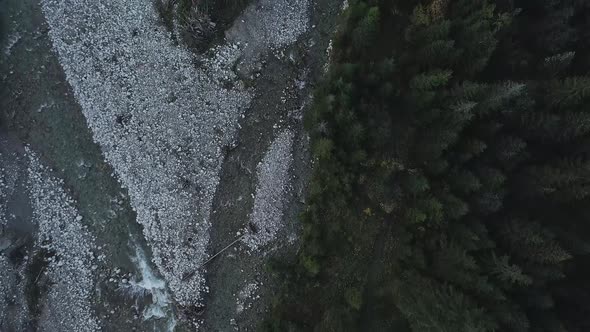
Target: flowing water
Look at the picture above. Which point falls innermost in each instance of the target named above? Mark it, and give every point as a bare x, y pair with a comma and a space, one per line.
114, 142
37, 108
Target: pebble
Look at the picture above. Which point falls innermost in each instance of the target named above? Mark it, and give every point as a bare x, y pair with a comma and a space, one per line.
273, 180
146, 167
72, 283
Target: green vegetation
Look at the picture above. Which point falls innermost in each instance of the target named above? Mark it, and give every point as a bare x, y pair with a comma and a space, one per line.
452, 178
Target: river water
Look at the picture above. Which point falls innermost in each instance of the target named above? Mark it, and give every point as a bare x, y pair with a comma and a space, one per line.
73, 249
37, 109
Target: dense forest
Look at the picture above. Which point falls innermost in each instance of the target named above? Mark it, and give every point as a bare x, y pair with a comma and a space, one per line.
452, 172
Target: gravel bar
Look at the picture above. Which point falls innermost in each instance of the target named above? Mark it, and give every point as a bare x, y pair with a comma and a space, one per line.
162, 122
266, 219
61, 233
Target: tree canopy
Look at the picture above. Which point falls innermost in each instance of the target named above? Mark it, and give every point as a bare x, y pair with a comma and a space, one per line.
452, 178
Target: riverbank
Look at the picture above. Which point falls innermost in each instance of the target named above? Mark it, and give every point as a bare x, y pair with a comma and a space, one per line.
183, 145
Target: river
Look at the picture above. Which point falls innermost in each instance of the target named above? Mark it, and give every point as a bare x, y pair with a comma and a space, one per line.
124, 166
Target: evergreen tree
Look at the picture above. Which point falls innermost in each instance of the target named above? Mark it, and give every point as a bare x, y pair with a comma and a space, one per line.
431, 306
567, 179
533, 243
509, 273
451, 147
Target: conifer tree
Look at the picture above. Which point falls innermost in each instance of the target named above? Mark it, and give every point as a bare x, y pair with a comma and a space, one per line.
567, 179
434, 307
509, 273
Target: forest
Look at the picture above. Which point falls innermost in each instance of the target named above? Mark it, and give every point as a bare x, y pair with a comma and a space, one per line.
451, 187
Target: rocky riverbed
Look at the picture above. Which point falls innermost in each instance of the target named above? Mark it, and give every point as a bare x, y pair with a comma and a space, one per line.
128, 161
